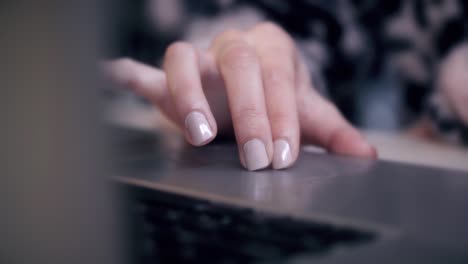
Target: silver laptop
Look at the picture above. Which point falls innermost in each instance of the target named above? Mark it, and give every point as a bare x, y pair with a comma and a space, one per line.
159, 202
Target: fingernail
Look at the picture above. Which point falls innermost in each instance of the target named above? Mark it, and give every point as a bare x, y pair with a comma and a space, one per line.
198, 128
255, 155
282, 157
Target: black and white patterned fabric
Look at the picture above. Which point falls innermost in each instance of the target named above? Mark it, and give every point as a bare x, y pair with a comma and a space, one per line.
345, 43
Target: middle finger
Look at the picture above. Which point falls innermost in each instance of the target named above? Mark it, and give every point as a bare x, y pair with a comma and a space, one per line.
240, 70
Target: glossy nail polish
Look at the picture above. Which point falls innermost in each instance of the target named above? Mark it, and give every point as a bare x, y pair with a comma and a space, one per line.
282, 157
255, 155
198, 128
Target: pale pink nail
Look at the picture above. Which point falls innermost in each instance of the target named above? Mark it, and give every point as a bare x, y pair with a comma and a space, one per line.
255, 155
198, 128
282, 157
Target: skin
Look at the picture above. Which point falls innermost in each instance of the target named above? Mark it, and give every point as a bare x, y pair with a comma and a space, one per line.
251, 83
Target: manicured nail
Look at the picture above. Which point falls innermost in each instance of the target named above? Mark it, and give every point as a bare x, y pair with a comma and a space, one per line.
282, 157
198, 128
255, 155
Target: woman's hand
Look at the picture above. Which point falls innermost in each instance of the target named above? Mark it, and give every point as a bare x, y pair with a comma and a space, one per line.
252, 83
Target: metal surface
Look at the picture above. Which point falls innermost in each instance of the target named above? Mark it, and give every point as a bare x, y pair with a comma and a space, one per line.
423, 208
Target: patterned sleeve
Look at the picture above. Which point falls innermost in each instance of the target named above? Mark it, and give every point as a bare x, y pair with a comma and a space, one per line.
447, 33
448, 106
426, 45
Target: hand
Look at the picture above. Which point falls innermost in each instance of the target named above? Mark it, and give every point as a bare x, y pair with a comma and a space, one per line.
252, 83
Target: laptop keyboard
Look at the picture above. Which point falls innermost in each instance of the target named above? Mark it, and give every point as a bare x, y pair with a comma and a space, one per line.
176, 229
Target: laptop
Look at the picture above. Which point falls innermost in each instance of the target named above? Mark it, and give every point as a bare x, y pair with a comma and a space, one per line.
75, 190
198, 204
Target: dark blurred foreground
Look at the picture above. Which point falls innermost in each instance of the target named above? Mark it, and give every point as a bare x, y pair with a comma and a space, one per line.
54, 194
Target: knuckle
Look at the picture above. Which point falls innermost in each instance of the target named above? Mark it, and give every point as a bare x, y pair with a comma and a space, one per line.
183, 86
136, 81
269, 26
251, 113
179, 47
250, 117
272, 29
278, 78
230, 34
280, 117
225, 37
238, 55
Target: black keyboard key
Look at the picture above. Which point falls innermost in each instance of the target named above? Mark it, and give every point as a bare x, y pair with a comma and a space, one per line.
175, 229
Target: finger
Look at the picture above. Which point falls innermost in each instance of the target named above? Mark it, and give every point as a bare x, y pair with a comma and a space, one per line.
183, 78
240, 70
322, 123
144, 80
278, 80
